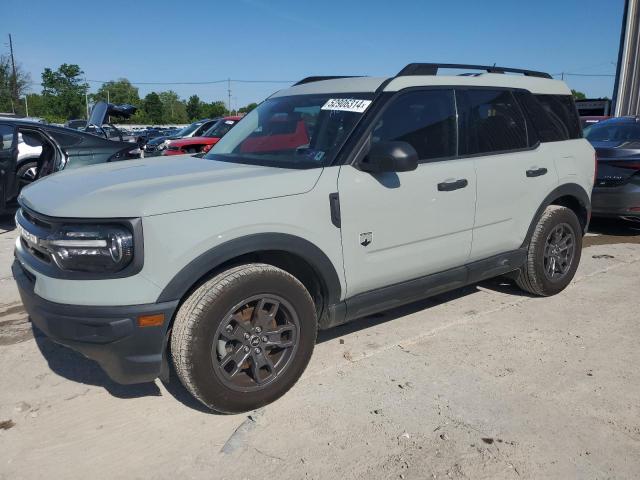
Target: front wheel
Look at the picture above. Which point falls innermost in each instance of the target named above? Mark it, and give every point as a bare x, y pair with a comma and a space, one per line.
243, 338
553, 254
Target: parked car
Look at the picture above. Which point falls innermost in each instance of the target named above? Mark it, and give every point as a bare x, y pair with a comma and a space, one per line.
617, 187
98, 123
332, 200
157, 145
59, 148
591, 120
204, 142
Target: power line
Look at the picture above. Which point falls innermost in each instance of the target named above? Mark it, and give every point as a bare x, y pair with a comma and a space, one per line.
583, 74
207, 82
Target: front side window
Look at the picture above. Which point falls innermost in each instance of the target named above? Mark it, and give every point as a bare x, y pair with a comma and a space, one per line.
426, 119
300, 131
490, 122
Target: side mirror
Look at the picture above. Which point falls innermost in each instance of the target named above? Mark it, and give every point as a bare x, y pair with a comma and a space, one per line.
390, 157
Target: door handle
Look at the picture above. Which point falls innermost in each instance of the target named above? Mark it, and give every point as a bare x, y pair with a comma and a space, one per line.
452, 185
536, 172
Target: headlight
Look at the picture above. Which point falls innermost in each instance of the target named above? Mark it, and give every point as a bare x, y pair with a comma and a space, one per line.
91, 248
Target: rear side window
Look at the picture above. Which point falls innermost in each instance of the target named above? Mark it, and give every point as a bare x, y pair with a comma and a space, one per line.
562, 112
66, 139
542, 127
490, 121
6, 137
424, 118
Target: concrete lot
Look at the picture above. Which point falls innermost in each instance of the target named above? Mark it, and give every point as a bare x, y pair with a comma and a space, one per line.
484, 382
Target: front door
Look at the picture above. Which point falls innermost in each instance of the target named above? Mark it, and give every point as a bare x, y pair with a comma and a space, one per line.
8, 161
403, 226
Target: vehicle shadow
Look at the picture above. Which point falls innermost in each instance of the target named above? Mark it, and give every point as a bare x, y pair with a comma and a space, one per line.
612, 230
73, 366
7, 223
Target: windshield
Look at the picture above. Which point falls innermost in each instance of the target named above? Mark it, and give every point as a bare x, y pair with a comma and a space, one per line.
303, 131
605, 132
188, 129
219, 129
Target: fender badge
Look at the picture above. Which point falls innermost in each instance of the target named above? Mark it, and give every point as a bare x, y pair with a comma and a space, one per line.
366, 239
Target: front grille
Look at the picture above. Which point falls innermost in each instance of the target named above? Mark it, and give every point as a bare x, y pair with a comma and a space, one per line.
34, 226
34, 220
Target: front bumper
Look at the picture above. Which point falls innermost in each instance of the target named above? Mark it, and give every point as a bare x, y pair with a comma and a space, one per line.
622, 201
109, 335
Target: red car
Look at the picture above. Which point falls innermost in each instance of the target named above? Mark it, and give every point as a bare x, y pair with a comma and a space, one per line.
203, 143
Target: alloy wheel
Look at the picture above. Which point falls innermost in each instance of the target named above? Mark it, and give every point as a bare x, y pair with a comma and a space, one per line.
255, 342
559, 250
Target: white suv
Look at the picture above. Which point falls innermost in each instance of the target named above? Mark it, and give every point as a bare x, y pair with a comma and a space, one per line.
334, 199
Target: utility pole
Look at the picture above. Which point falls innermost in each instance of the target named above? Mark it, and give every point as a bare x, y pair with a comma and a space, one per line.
14, 89
229, 92
26, 104
86, 96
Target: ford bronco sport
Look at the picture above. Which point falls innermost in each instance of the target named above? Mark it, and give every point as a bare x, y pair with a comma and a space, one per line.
334, 199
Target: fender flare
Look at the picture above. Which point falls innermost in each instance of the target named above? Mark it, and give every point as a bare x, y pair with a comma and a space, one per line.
569, 189
200, 266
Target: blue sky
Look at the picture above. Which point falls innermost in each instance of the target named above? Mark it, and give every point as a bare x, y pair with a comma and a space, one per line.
191, 41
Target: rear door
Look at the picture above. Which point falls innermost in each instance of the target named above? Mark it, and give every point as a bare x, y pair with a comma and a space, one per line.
8, 162
406, 225
514, 172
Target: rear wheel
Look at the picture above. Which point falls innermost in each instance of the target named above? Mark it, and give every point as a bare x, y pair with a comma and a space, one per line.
243, 338
554, 252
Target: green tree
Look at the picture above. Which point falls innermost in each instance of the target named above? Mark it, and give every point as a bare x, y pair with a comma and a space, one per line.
11, 89
37, 105
173, 109
248, 108
194, 108
117, 91
152, 108
578, 95
64, 92
214, 109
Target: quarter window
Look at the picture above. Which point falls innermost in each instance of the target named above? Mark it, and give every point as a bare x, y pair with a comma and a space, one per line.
490, 121
562, 112
426, 119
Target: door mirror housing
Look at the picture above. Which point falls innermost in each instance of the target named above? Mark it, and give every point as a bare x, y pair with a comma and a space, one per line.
390, 157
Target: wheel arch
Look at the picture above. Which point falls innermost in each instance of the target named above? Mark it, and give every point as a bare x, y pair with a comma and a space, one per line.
298, 256
570, 195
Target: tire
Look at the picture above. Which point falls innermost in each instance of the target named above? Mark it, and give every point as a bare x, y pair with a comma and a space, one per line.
545, 276
26, 173
210, 333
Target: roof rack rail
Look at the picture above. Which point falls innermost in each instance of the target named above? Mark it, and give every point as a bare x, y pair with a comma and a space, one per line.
432, 69
320, 78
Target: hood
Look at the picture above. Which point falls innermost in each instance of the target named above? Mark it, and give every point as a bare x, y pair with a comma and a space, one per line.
158, 140
194, 140
138, 188
101, 111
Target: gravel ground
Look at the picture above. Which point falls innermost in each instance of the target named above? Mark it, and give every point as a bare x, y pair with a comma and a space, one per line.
484, 382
